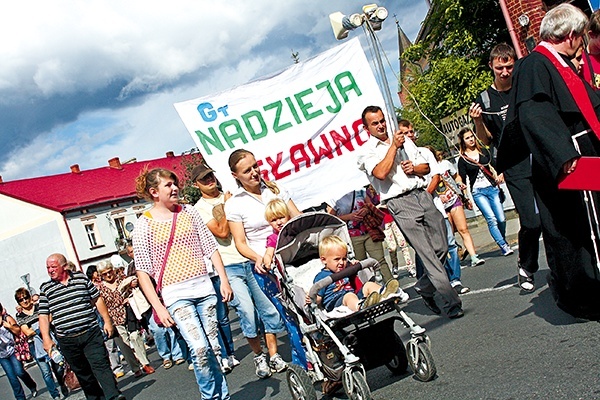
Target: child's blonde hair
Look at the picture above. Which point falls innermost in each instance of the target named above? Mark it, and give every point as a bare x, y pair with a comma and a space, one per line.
331, 242
276, 208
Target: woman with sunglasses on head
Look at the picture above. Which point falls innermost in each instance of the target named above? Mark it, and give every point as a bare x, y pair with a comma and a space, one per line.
8, 360
170, 243
28, 320
129, 338
475, 163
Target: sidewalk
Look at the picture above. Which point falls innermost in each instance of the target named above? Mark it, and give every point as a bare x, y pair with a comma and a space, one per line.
481, 235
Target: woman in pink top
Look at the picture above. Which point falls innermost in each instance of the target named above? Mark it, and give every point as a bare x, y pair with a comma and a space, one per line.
170, 244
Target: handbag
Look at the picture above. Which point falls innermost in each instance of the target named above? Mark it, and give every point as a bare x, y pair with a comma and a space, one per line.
70, 378
488, 171
162, 268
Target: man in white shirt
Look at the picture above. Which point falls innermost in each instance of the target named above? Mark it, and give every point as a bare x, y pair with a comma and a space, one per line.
396, 169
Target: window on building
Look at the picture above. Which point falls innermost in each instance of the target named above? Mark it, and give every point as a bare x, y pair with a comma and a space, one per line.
120, 224
90, 230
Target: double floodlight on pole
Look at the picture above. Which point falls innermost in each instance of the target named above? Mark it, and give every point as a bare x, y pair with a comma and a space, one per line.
371, 19
342, 24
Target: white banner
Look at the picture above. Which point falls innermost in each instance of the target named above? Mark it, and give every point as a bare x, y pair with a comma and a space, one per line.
302, 124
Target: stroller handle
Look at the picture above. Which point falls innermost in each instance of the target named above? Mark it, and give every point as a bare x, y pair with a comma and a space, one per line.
346, 272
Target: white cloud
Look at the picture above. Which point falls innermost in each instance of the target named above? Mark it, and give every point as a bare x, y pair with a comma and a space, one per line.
113, 70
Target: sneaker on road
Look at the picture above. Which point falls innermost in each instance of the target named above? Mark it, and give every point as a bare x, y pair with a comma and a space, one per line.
506, 250
476, 261
225, 368
277, 364
262, 367
233, 362
460, 289
456, 314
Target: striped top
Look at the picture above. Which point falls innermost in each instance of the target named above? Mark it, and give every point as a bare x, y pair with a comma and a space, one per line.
70, 305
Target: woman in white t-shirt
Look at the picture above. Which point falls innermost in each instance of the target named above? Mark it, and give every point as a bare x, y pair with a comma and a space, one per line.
450, 193
245, 212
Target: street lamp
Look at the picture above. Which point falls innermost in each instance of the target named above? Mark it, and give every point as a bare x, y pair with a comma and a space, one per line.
26, 279
371, 19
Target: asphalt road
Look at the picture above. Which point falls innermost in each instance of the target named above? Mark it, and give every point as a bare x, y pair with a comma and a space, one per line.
507, 346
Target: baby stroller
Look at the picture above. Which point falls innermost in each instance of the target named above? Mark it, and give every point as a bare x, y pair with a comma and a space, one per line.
341, 348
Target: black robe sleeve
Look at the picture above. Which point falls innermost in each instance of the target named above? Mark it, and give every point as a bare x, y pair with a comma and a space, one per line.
541, 119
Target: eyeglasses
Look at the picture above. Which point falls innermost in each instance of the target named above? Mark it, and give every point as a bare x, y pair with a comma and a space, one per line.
22, 299
110, 271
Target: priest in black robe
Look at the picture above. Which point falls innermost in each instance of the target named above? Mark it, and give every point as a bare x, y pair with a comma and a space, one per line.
543, 119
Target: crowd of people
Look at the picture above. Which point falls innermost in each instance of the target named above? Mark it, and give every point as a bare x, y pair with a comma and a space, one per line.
189, 263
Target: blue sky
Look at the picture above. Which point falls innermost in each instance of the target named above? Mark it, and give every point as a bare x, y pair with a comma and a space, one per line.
82, 82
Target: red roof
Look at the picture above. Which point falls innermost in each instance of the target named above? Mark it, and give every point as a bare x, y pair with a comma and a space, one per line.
82, 189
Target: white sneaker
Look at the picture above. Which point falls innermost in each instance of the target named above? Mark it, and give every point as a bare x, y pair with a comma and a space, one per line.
225, 367
262, 367
277, 364
233, 362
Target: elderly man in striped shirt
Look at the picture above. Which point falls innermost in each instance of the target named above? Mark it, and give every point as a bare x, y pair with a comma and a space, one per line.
70, 297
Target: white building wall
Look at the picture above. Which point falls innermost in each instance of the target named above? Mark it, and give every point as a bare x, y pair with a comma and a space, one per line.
28, 235
105, 231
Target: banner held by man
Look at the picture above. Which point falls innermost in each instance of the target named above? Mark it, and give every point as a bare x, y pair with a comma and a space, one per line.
303, 124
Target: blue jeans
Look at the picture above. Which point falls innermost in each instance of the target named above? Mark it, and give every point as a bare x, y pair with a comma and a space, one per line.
452, 264
267, 284
14, 370
197, 322
488, 202
45, 364
166, 341
225, 336
249, 300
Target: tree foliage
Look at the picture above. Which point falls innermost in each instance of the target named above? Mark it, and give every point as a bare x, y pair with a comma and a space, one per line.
458, 36
190, 193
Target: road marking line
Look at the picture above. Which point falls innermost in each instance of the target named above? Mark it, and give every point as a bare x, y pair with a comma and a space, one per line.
496, 289
486, 290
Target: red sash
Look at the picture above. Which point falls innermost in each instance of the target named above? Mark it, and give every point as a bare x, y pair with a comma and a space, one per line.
574, 84
585, 176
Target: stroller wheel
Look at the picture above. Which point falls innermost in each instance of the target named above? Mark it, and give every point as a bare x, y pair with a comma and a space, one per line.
300, 384
356, 386
421, 360
399, 363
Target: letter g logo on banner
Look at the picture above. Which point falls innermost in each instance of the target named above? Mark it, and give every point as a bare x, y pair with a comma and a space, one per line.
207, 112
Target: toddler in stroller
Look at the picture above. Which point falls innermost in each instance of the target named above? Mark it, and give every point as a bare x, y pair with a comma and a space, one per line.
333, 252
341, 348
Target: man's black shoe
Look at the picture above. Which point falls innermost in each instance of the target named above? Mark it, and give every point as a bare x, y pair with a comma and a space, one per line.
456, 314
430, 303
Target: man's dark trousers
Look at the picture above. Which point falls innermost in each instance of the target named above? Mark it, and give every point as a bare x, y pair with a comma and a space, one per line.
87, 357
523, 196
